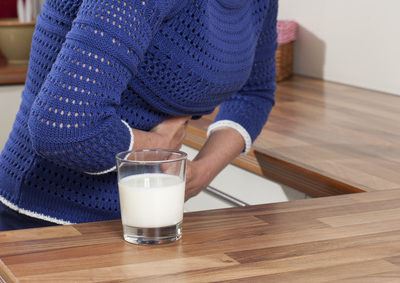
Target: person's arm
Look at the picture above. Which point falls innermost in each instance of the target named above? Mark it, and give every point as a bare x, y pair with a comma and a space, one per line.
73, 121
214, 156
241, 118
53, 23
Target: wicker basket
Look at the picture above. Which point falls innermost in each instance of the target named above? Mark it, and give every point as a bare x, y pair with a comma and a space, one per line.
287, 34
284, 61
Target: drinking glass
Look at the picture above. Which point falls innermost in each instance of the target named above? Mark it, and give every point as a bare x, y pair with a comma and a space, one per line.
151, 186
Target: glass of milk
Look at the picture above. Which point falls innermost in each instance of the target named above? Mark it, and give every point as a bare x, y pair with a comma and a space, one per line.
151, 186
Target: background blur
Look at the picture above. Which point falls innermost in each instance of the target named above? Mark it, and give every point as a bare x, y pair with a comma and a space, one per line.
354, 42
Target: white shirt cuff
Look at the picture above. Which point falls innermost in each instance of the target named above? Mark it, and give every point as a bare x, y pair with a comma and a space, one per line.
230, 124
130, 148
131, 133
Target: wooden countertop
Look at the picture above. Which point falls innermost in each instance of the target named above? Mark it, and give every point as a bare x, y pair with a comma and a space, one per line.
347, 238
324, 139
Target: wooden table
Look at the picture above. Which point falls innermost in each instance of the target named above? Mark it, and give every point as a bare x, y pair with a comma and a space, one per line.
347, 238
324, 139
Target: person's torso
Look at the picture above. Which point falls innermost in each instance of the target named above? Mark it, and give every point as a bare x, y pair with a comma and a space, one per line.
198, 58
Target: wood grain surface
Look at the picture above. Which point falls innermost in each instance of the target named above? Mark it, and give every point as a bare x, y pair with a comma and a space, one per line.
346, 238
12, 74
324, 139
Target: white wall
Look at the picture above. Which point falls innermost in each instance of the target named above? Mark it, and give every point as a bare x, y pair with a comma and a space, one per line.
10, 97
355, 42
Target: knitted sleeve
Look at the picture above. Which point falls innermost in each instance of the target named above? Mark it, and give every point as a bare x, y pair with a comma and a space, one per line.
73, 121
248, 109
52, 25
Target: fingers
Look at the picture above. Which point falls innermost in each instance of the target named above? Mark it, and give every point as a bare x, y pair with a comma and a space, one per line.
191, 192
172, 131
172, 124
179, 137
176, 124
182, 120
191, 189
188, 170
177, 121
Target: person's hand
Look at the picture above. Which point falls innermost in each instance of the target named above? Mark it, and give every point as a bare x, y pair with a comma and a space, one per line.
171, 132
196, 179
221, 147
167, 135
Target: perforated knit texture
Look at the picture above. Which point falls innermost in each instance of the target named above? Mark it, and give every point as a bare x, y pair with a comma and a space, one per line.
96, 63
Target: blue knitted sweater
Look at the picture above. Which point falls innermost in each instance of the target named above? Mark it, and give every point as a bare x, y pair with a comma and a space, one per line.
98, 67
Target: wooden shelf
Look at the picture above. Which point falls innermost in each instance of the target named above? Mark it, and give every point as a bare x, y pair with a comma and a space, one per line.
12, 22
21, 32
13, 74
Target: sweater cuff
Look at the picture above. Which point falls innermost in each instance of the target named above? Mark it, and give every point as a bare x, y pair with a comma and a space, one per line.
130, 148
233, 125
131, 134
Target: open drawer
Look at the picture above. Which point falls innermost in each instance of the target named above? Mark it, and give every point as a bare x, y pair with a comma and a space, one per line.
237, 187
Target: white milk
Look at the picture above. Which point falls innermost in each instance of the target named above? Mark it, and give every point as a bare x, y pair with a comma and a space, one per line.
151, 200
